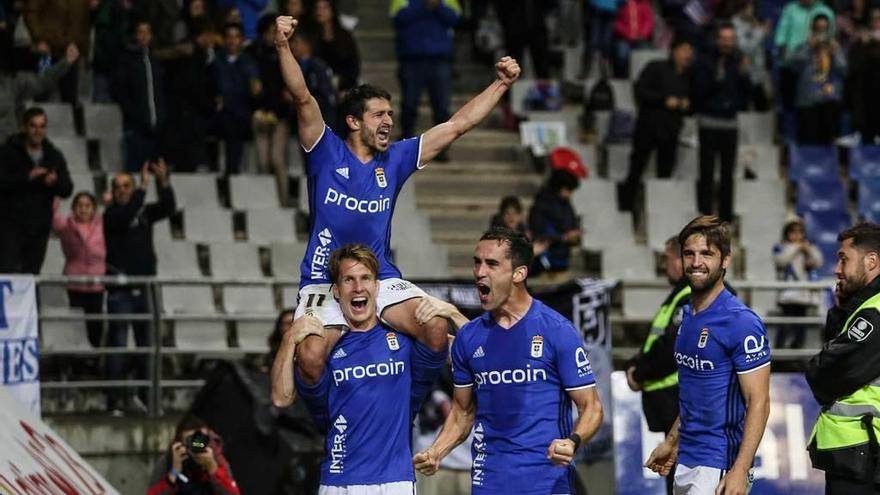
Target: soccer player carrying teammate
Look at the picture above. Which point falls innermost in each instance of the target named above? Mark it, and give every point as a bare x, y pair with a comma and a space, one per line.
723, 361
517, 369
360, 398
353, 187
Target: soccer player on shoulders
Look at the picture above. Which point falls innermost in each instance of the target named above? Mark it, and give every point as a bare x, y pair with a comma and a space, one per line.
723, 361
517, 369
354, 181
357, 398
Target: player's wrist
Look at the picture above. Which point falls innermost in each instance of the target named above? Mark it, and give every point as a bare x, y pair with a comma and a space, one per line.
576, 440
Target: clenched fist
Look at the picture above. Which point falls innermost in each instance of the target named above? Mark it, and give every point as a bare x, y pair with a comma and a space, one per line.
507, 70
426, 462
285, 25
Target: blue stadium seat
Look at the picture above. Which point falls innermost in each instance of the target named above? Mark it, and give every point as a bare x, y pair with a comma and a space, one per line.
829, 259
864, 162
869, 198
812, 162
823, 227
820, 195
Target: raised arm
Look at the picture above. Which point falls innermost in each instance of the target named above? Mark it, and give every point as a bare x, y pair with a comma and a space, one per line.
308, 113
755, 388
455, 430
283, 391
561, 450
472, 113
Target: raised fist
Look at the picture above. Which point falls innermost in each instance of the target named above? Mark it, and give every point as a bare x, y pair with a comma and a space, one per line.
285, 25
507, 70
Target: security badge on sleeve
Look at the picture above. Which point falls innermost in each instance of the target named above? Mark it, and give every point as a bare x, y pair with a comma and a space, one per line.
860, 330
391, 338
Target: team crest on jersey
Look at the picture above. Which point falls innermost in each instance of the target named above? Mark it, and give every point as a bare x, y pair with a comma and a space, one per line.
380, 177
391, 338
860, 330
704, 338
537, 346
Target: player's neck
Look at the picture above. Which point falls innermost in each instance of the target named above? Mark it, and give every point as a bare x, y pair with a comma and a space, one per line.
359, 149
364, 326
703, 299
514, 309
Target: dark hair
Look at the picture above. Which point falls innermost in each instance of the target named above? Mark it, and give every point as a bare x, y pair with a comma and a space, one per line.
508, 202
865, 236
817, 17
354, 102
358, 252
789, 227
200, 26
277, 334
673, 244
677, 42
132, 28
712, 228
724, 25
560, 179
31, 113
305, 33
232, 25
189, 422
519, 248
266, 21
85, 194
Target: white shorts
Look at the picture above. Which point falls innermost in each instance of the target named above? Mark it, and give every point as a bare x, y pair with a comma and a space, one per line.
700, 480
318, 301
394, 488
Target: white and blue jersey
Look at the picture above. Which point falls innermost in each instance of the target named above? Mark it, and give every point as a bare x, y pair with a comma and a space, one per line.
357, 401
353, 202
521, 377
712, 348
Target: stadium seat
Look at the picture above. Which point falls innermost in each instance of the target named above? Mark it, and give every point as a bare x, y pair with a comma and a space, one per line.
606, 228
664, 223
864, 162
112, 155
60, 115
829, 255
75, 151
759, 262
761, 159
759, 196
248, 299
54, 261
628, 262
289, 296
755, 127
639, 58
869, 197
195, 190
286, 259
617, 161
253, 336
669, 206
52, 297
188, 299
624, 99
812, 163
64, 335
820, 195
253, 192
267, 225
200, 336
162, 231
594, 194
207, 225
431, 262
642, 302
176, 259
761, 229
102, 120
823, 227
235, 260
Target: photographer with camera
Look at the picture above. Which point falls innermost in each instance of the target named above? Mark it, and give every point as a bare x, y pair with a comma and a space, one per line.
194, 463
128, 232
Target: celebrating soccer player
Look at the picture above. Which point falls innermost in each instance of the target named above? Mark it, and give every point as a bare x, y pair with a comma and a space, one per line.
524, 363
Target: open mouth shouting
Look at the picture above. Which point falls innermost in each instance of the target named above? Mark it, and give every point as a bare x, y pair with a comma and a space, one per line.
383, 135
359, 304
484, 291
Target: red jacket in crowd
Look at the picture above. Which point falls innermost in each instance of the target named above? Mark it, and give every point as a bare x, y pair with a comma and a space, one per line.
635, 21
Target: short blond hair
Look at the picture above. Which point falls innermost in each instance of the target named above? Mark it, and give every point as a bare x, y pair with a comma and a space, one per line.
360, 253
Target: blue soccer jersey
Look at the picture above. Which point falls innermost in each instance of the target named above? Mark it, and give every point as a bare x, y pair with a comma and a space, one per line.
353, 202
520, 377
712, 348
363, 401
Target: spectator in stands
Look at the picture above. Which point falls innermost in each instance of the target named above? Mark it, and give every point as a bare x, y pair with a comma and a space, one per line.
112, 26
864, 79
751, 34
316, 72
295, 9
720, 89
194, 463
192, 101
796, 258
32, 174
128, 232
424, 46
15, 89
821, 70
82, 240
194, 13
510, 215
274, 109
852, 19
662, 95
162, 16
602, 16
69, 22
633, 30
238, 85
336, 46
139, 88
250, 11
792, 31
552, 219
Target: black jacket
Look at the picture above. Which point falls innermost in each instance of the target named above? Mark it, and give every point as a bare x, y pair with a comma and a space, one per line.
192, 98
131, 91
128, 232
718, 92
657, 81
845, 364
549, 218
24, 203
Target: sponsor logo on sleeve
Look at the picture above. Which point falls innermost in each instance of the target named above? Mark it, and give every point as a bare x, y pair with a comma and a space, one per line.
860, 330
337, 449
755, 349
582, 363
479, 463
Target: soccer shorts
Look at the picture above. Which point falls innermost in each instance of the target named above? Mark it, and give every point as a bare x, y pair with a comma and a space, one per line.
700, 480
393, 488
317, 299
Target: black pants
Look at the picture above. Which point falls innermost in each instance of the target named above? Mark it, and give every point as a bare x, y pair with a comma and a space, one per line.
719, 143
819, 124
22, 251
845, 486
643, 145
127, 301
523, 24
91, 303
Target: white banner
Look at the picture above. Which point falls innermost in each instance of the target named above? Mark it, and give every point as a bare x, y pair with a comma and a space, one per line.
19, 341
33, 459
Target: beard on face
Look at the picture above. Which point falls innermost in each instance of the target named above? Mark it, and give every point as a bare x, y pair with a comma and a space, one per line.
848, 286
711, 279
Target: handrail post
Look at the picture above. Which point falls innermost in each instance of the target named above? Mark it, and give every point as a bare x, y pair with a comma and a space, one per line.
155, 395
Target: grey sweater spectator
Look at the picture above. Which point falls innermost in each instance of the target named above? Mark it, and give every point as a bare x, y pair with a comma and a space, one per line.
16, 88
32, 173
795, 259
